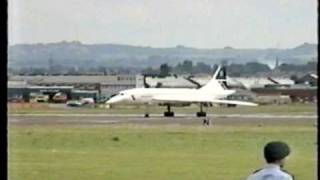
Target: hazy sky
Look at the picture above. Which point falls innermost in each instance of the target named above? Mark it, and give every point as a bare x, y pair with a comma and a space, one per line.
166, 23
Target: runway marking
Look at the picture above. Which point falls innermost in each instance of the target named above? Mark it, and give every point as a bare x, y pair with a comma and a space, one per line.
86, 121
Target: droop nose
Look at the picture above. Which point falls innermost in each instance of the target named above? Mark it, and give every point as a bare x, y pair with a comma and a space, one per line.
115, 99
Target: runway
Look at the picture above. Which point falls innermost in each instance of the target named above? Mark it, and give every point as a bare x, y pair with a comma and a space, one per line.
158, 119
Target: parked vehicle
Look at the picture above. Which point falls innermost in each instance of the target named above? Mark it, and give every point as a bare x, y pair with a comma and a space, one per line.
82, 102
74, 103
34, 97
87, 101
60, 98
15, 100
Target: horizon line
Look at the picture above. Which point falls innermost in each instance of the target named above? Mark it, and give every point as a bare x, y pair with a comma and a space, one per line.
148, 46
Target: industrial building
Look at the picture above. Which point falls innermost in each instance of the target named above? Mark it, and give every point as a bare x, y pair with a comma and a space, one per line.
20, 91
265, 90
302, 90
309, 79
74, 86
170, 82
102, 87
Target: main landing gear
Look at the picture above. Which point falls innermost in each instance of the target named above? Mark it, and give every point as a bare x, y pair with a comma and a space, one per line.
169, 113
201, 113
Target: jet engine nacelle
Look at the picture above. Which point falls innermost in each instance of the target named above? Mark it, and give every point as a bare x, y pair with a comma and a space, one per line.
175, 104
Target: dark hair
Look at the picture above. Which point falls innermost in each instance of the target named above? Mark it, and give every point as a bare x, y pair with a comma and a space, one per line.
276, 150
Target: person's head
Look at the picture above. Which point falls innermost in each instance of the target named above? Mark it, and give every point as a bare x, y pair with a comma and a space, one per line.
276, 152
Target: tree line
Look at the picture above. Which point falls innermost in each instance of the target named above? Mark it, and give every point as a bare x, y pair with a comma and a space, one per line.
185, 67
250, 68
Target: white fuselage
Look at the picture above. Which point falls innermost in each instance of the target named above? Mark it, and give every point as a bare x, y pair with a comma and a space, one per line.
212, 92
147, 95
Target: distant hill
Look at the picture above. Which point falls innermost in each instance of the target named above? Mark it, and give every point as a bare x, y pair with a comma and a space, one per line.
76, 54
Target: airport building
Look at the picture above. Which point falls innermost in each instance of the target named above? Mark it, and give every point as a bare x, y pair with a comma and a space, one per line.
78, 94
17, 91
266, 89
304, 89
309, 79
170, 82
21, 91
74, 86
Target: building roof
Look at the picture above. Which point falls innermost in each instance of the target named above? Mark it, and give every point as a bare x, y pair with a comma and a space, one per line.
247, 82
253, 82
117, 79
314, 76
170, 82
283, 80
85, 91
309, 78
50, 87
17, 84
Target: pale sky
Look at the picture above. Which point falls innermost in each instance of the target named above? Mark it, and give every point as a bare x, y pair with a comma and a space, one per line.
166, 23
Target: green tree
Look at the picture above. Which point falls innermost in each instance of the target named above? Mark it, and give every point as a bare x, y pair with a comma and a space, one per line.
202, 68
150, 71
164, 70
256, 67
187, 66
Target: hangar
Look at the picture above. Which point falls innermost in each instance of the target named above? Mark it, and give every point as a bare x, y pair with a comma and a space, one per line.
86, 85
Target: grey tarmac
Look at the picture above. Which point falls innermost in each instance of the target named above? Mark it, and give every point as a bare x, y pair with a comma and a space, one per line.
158, 119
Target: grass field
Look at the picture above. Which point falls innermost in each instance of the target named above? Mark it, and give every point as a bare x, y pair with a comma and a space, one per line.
274, 109
157, 152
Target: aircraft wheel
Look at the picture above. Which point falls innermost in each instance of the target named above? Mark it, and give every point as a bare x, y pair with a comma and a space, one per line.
201, 114
168, 114
146, 115
231, 105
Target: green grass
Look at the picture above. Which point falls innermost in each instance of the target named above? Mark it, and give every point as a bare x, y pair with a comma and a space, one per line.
157, 153
274, 109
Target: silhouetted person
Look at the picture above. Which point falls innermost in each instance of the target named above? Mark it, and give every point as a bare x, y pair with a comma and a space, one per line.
275, 154
206, 121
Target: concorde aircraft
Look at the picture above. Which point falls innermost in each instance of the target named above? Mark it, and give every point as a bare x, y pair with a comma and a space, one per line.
214, 92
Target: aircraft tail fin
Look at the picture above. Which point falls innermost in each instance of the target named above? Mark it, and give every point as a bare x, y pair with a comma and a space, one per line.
218, 81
